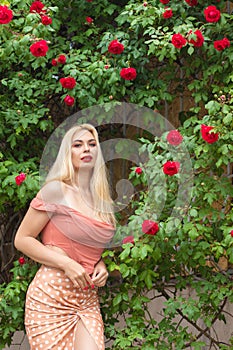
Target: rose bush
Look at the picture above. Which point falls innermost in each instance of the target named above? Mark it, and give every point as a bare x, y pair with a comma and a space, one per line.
189, 80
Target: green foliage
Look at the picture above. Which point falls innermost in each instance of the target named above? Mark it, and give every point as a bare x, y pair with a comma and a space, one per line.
191, 243
12, 299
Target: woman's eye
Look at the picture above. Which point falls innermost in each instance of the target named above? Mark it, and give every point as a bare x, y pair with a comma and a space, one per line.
77, 145
92, 144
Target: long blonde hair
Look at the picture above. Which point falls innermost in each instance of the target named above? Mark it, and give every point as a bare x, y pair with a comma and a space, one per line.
63, 170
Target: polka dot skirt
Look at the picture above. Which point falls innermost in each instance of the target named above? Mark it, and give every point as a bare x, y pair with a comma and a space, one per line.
54, 307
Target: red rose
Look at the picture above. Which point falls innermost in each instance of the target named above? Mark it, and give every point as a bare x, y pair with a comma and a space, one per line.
221, 44
106, 66
212, 14
69, 100
89, 19
226, 42
231, 233
46, 20
37, 6
39, 48
115, 47
208, 136
54, 62
128, 73
171, 168
138, 170
150, 227
167, 13
68, 83
198, 42
61, 59
164, 1
192, 2
178, 40
6, 15
19, 179
89, 0
21, 260
128, 239
174, 138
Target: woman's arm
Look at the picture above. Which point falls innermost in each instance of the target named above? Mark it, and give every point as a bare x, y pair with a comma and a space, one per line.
26, 241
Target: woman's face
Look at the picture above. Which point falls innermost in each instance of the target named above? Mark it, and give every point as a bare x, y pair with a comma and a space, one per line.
84, 149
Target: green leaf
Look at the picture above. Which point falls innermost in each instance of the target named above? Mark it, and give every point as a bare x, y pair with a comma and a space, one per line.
193, 233
117, 299
190, 50
125, 253
193, 212
228, 119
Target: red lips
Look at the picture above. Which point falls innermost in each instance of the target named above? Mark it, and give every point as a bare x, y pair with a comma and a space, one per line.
86, 158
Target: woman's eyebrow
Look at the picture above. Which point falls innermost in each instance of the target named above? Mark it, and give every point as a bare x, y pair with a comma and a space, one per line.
91, 140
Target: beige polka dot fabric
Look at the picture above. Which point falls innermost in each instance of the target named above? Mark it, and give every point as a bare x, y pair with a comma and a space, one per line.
54, 307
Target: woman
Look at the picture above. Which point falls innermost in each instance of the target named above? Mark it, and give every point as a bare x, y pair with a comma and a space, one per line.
74, 214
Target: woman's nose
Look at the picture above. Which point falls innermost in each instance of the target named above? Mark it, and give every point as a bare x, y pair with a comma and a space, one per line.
86, 147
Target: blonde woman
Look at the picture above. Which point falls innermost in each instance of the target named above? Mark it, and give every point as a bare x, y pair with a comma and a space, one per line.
73, 212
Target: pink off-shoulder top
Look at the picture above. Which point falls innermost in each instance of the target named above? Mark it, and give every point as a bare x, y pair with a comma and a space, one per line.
81, 237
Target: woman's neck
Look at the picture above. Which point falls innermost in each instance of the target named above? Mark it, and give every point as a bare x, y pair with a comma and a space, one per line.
82, 180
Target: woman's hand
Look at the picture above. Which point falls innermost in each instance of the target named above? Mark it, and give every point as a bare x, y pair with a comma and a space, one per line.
100, 274
77, 275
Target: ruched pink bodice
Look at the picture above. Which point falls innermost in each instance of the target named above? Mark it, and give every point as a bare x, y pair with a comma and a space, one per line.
81, 237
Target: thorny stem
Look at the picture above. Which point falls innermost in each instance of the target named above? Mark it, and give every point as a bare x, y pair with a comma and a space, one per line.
200, 330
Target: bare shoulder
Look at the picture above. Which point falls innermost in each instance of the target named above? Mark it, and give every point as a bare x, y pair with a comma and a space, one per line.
51, 192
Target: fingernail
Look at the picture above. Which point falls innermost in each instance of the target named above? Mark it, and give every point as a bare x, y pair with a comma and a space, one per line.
85, 288
92, 286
